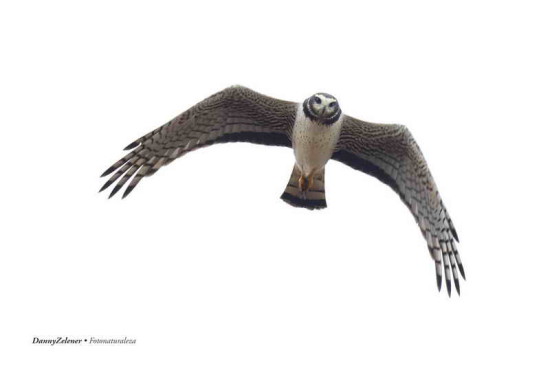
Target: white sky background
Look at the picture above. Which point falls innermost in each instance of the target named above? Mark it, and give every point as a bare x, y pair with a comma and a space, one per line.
202, 263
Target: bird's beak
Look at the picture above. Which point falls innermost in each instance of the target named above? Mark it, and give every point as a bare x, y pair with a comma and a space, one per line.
322, 114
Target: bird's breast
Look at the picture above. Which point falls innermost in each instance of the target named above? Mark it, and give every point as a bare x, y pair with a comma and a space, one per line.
313, 143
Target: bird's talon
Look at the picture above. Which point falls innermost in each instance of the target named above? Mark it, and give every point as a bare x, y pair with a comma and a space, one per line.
303, 183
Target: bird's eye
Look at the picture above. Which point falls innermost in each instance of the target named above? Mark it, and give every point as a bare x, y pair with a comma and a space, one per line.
332, 104
317, 100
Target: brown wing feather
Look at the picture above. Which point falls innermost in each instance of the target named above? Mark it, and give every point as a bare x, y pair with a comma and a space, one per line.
231, 115
390, 153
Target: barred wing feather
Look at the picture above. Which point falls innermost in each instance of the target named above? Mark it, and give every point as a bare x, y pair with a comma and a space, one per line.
235, 114
390, 153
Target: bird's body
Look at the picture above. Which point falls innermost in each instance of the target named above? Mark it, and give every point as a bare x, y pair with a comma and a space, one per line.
318, 131
313, 142
315, 134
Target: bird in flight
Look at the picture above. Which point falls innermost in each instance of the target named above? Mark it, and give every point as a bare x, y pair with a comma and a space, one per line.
317, 131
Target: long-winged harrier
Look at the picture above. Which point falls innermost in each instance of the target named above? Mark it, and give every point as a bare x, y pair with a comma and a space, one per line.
317, 130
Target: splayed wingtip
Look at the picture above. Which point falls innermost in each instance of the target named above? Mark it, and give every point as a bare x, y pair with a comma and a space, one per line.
104, 187
132, 145
457, 286
128, 191
108, 171
115, 190
461, 269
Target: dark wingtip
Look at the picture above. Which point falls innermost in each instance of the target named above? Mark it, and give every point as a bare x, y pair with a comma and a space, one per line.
107, 184
438, 280
455, 235
128, 190
457, 286
115, 190
108, 171
448, 284
461, 269
132, 145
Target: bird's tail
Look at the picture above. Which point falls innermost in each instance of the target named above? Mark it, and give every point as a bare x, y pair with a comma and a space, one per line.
312, 198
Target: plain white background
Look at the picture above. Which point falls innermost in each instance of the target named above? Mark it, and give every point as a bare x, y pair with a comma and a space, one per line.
203, 264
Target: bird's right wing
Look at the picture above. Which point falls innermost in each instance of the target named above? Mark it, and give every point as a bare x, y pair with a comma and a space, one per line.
390, 153
235, 114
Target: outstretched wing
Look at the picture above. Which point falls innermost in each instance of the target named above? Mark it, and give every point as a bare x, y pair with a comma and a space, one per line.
389, 153
231, 115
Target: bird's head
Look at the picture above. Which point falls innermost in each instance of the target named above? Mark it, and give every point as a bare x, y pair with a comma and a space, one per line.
323, 108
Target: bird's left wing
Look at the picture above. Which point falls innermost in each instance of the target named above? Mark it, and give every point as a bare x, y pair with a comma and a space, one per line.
231, 115
389, 153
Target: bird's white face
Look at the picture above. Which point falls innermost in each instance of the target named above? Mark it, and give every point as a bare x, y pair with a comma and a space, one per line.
322, 107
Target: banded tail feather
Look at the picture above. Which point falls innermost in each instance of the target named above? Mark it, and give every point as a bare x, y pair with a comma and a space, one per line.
312, 198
